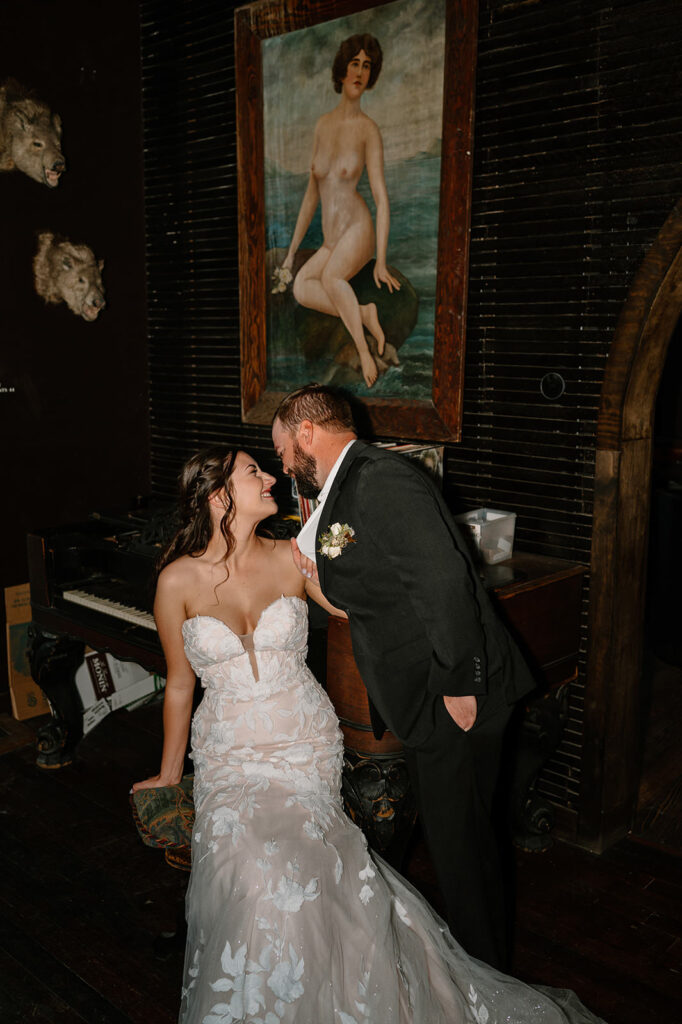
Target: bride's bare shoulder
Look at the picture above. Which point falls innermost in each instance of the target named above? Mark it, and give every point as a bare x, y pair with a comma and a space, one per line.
179, 573
284, 561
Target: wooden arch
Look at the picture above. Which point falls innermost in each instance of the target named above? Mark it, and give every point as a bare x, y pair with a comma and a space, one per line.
612, 756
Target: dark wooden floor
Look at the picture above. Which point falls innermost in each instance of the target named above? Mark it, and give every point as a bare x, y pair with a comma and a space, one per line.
82, 900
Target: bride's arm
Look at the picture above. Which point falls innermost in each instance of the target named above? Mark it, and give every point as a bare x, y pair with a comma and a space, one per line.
308, 570
313, 591
169, 612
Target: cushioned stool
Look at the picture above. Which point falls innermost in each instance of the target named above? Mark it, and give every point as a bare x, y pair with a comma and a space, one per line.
164, 818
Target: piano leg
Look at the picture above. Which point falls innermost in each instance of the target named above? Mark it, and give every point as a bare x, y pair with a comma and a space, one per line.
54, 661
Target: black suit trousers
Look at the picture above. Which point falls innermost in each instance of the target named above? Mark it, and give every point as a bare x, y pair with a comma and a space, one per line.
455, 776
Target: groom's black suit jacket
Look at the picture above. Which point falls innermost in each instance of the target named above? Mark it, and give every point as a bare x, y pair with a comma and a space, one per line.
421, 622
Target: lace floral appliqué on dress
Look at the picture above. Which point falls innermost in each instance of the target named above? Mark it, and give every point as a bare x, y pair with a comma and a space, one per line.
290, 919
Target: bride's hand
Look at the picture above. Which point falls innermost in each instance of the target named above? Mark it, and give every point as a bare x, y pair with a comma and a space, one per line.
304, 564
155, 782
381, 274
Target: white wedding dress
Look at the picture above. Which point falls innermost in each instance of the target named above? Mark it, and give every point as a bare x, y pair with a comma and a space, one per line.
290, 918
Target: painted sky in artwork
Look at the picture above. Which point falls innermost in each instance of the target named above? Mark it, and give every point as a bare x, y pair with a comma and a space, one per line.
406, 102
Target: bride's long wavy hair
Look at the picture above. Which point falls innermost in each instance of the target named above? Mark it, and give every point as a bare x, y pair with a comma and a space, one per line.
205, 473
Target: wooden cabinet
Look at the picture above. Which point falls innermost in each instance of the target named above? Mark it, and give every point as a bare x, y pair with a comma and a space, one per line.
539, 600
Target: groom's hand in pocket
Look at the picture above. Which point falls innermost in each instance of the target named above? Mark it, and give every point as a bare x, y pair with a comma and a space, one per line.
462, 711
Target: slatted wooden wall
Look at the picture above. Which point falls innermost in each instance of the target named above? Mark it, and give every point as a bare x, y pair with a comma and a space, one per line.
577, 164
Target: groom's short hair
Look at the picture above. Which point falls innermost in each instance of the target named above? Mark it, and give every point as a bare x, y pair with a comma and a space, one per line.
323, 406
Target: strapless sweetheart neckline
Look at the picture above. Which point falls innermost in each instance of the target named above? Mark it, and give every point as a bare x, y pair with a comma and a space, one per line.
239, 636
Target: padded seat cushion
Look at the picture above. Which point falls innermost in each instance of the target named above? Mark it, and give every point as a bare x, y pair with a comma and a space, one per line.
164, 818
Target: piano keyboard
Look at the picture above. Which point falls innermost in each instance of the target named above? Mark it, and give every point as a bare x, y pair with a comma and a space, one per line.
109, 607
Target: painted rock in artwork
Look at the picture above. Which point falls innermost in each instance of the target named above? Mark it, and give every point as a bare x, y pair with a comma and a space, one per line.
317, 335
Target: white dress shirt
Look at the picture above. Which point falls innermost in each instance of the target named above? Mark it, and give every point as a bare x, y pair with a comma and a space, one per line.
306, 538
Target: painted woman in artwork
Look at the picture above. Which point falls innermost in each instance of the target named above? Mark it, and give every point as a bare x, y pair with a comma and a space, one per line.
346, 141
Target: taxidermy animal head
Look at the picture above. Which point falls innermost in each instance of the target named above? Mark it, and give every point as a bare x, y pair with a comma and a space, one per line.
63, 272
29, 136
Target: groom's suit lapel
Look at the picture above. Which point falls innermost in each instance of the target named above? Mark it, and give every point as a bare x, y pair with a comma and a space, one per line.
327, 512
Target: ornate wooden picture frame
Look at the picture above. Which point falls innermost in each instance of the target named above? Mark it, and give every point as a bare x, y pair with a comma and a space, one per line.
434, 417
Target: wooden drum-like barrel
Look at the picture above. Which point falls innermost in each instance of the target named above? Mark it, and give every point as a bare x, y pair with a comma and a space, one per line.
376, 787
348, 695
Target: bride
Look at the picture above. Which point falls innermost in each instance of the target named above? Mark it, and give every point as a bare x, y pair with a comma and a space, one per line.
290, 917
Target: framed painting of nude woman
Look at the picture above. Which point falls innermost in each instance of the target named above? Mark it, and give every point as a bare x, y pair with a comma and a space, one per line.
354, 137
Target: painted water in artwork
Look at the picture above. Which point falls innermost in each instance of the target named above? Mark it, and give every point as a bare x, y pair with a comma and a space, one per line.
304, 344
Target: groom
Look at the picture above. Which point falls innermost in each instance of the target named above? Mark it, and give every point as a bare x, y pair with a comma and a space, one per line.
441, 671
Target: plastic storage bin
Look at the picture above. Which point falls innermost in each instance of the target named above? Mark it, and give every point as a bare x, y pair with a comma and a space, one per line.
492, 531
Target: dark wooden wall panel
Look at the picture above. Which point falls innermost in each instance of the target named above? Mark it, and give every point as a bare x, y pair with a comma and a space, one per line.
577, 165
74, 426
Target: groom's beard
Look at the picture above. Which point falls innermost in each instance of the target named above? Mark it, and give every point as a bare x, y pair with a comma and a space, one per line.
305, 473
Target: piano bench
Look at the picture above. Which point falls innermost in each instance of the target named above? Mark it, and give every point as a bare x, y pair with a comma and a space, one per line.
164, 818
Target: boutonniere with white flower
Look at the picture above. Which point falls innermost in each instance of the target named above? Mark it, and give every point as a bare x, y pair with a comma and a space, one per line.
335, 539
